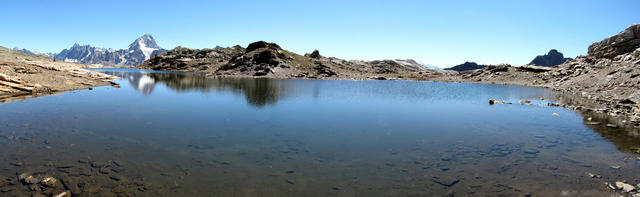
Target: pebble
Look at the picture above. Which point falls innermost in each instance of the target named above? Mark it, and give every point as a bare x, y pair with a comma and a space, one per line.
49, 182
555, 114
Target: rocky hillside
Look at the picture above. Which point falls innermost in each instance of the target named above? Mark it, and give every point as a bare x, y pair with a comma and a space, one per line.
140, 50
608, 76
265, 59
467, 66
30, 75
552, 58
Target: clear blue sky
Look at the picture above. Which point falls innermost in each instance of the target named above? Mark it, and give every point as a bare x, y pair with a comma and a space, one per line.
442, 33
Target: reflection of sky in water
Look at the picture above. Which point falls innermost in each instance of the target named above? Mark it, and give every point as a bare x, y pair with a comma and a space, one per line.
383, 132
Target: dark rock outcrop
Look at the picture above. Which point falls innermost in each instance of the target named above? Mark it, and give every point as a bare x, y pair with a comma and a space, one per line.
624, 42
552, 58
262, 44
258, 59
466, 67
315, 54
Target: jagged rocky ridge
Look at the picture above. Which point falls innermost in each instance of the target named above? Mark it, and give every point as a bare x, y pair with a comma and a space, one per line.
140, 50
552, 58
605, 80
270, 60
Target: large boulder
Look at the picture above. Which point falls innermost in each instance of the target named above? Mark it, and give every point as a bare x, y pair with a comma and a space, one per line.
624, 42
552, 58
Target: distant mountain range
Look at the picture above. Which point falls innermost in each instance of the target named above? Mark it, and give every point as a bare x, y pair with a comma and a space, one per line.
552, 58
140, 50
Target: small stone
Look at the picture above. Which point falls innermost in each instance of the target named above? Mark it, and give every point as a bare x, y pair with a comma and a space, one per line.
49, 182
104, 170
592, 123
610, 186
531, 151
30, 180
612, 125
17, 163
555, 114
615, 167
290, 182
115, 178
64, 194
525, 101
335, 188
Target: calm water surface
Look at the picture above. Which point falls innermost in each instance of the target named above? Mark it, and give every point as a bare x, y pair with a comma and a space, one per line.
173, 134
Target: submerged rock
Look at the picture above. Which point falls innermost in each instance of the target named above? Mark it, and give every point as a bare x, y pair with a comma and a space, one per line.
49, 182
625, 187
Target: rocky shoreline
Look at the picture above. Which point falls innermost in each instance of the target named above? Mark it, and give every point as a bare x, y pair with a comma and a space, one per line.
605, 80
25, 76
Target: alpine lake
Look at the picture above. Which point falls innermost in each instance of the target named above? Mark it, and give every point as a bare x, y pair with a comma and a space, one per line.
182, 134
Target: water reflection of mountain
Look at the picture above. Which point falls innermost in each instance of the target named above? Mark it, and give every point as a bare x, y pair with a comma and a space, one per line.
258, 92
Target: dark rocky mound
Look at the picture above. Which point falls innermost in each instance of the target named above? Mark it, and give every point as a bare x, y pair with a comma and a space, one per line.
315, 54
552, 58
624, 42
260, 45
466, 67
258, 59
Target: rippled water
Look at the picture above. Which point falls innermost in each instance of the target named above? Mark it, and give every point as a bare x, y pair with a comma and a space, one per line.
176, 134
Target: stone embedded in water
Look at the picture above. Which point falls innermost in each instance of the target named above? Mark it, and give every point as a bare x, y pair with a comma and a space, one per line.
525, 101
49, 182
555, 114
63, 194
624, 187
531, 151
612, 125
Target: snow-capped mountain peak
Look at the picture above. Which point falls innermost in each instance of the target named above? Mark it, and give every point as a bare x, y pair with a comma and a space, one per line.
140, 50
146, 44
